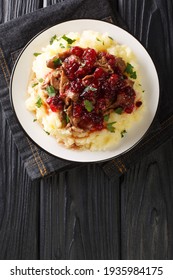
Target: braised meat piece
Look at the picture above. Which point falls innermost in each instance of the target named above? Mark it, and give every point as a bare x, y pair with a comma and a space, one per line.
119, 62
63, 83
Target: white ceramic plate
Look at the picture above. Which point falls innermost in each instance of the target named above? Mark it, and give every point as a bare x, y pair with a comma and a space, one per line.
20, 77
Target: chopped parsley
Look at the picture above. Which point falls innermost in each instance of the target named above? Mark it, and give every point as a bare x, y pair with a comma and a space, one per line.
34, 120
123, 133
88, 105
89, 88
100, 41
36, 54
106, 117
34, 85
68, 40
53, 39
57, 62
39, 102
129, 70
68, 47
51, 91
119, 110
48, 133
110, 127
62, 46
110, 38
67, 119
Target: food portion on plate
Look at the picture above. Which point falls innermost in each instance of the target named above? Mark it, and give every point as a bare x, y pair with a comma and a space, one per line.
85, 90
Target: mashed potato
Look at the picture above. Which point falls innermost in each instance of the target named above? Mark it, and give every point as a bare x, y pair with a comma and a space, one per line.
51, 121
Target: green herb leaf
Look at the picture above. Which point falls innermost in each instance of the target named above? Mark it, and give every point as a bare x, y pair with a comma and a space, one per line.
88, 105
67, 119
34, 120
53, 39
129, 70
36, 54
89, 88
123, 133
51, 91
34, 85
110, 127
119, 110
61, 45
68, 40
100, 40
40, 80
39, 102
57, 62
48, 133
110, 37
106, 117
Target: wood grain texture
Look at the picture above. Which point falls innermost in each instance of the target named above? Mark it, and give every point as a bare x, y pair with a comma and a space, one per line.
51, 2
19, 199
10, 9
151, 22
146, 192
80, 216
146, 207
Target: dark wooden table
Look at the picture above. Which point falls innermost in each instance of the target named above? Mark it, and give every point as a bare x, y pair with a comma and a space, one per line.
80, 213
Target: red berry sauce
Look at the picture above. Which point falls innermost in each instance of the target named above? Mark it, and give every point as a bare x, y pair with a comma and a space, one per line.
92, 85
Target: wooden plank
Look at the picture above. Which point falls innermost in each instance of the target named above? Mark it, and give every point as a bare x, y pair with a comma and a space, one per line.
147, 207
146, 195
19, 199
10, 9
80, 215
